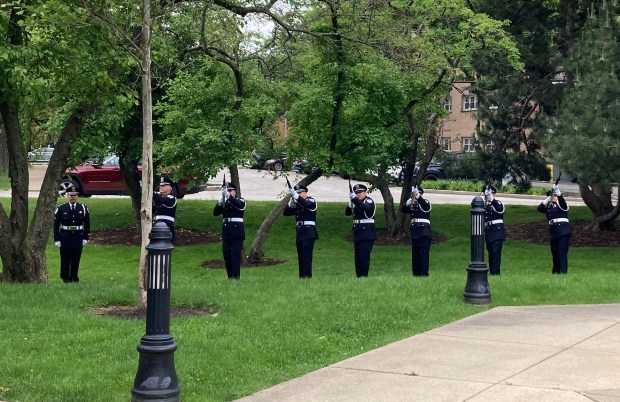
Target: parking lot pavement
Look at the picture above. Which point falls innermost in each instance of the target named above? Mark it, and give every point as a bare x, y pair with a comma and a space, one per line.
268, 186
262, 185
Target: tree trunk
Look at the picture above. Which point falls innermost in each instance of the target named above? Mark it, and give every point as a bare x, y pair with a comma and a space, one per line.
4, 151
146, 208
257, 250
22, 246
597, 197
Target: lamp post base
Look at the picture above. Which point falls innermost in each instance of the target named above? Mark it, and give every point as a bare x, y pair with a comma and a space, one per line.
477, 289
156, 379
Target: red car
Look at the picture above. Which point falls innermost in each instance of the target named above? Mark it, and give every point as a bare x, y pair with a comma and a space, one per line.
105, 178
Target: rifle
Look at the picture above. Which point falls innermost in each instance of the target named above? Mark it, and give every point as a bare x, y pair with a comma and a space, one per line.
288, 183
558, 179
224, 181
350, 188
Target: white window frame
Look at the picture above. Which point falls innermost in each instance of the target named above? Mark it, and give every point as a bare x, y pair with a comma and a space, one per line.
470, 102
468, 144
448, 105
446, 143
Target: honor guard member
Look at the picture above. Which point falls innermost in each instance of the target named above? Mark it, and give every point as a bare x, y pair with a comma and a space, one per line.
303, 207
556, 209
233, 231
420, 210
363, 209
71, 230
165, 205
494, 229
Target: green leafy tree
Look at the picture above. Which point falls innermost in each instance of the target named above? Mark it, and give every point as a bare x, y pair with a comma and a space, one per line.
51, 58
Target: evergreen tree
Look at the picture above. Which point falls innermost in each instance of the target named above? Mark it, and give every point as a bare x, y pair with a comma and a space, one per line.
585, 133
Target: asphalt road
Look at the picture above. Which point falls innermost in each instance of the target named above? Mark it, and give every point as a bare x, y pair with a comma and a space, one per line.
266, 186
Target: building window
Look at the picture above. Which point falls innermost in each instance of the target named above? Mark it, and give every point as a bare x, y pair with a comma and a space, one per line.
470, 102
448, 105
468, 144
446, 143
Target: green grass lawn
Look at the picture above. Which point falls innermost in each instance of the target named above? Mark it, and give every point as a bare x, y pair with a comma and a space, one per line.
271, 326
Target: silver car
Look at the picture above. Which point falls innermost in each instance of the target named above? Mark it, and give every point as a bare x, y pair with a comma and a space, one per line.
40, 154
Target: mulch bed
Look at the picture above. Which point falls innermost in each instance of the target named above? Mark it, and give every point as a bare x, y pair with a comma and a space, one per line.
538, 232
130, 237
219, 264
135, 312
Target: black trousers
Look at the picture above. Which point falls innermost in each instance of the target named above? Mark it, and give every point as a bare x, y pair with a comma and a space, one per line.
232, 257
70, 263
420, 255
559, 252
363, 248
304, 257
494, 248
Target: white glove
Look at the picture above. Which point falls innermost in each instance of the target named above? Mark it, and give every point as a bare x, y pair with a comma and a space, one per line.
415, 193
409, 202
351, 205
488, 192
556, 190
57, 243
291, 203
547, 200
84, 242
220, 201
293, 193
351, 195
224, 192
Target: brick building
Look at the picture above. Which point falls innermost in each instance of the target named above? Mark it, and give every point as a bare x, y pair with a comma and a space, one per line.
458, 130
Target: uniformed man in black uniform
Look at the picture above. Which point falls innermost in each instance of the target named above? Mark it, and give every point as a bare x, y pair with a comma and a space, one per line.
420, 210
303, 207
363, 210
233, 231
165, 205
494, 229
556, 209
71, 230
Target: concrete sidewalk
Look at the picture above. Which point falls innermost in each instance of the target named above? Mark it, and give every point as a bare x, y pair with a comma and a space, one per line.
538, 353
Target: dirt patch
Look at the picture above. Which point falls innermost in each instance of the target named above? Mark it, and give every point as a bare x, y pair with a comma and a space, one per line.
135, 312
219, 264
538, 232
384, 239
130, 237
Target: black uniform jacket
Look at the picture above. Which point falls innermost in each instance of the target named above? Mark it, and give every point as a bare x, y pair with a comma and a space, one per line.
71, 226
556, 211
232, 224
363, 211
305, 216
165, 206
420, 210
494, 230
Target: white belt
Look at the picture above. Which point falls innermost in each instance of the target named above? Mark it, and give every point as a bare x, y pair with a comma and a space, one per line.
558, 220
72, 227
306, 223
363, 221
495, 222
164, 218
233, 219
420, 220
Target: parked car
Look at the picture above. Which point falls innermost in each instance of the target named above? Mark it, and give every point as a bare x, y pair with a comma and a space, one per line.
434, 171
105, 178
40, 154
276, 164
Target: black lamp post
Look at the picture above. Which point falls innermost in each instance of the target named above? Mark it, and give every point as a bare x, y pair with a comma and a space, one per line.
156, 379
477, 287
